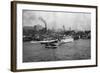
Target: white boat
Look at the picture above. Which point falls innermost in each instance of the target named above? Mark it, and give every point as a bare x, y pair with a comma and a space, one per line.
67, 39
43, 42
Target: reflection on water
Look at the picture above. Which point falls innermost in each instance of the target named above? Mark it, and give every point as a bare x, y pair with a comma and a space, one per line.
77, 50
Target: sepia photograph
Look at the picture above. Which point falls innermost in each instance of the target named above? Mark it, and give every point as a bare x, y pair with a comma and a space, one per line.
47, 36
55, 35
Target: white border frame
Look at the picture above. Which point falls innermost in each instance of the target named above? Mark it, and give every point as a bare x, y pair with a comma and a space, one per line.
35, 65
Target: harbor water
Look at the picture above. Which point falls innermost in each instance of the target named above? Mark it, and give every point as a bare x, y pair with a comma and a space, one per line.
76, 50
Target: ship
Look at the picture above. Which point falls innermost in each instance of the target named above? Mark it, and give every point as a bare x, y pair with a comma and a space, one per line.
53, 43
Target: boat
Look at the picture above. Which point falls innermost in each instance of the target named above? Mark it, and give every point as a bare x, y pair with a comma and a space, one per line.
44, 42
67, 39
53, 43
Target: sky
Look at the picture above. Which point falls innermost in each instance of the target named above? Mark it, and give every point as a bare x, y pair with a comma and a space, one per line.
56, 20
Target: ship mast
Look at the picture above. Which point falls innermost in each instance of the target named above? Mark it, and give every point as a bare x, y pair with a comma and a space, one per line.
64, 28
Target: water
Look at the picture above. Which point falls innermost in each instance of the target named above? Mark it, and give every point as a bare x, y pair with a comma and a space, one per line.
77, 50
